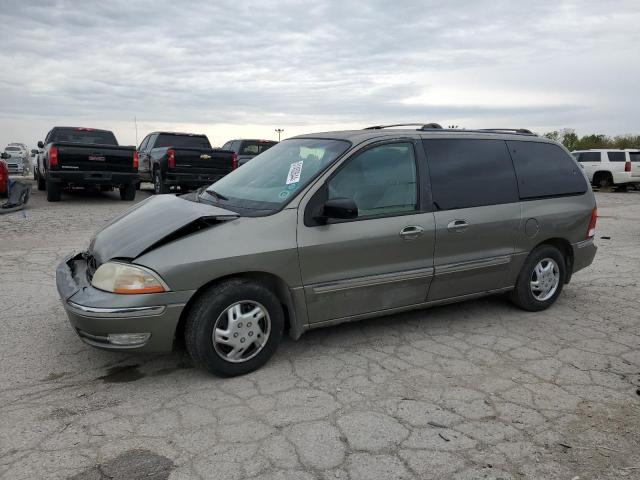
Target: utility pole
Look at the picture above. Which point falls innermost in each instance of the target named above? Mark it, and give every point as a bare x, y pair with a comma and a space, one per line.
279, 130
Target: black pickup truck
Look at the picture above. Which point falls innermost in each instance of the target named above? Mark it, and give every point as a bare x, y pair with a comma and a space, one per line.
183, 160
85, 157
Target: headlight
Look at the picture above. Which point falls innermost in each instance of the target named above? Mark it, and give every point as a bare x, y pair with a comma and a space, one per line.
127, 279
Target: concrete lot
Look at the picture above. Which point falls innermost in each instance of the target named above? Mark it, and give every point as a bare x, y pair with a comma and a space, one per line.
474, 390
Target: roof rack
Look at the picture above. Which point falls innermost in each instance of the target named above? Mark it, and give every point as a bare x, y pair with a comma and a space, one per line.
423, 126
514, 130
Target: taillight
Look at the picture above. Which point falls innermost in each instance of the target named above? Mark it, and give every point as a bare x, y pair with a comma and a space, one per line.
53, 156
627, 166
234, 161
135, 160
591, 231
171, 158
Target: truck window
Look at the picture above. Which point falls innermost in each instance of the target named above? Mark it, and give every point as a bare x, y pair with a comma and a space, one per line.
470, 173
588, 157
616, 156
250, 147
545, 170
83, 135
182, 141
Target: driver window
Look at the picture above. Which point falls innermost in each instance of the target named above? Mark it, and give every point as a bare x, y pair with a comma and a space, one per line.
381, 181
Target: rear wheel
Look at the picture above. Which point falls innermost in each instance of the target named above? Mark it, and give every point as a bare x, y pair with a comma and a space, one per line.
159, 187
603, 179
541, 279
53, 191
42, 186
128, 192
234, 327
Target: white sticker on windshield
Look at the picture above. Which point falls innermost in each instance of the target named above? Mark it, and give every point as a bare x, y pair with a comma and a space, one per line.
294, 172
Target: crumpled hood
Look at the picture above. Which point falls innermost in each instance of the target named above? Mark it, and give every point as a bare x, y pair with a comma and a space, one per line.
148, 223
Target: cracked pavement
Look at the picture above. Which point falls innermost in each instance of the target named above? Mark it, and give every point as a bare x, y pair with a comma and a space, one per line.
473, 390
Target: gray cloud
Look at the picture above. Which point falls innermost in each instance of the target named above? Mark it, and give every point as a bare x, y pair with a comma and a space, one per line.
544, 64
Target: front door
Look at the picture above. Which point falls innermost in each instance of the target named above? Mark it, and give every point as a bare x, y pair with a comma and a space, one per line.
381, 260
477, 215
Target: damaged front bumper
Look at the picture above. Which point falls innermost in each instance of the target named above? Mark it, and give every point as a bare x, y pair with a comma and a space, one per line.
145, 322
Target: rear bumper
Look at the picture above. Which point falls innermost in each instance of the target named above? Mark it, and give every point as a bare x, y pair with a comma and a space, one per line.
94, 314
583, 254
92, 177
192, 179
626, 177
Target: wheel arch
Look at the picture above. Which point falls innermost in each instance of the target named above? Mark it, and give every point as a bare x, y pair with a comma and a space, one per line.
293, 325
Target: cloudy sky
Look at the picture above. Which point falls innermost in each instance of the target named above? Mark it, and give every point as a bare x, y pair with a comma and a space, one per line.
236, 69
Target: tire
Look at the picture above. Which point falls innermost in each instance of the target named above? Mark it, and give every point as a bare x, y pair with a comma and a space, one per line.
128, 192
523, 295
210, 310
53, 191
159, 187
41, 183
603, 180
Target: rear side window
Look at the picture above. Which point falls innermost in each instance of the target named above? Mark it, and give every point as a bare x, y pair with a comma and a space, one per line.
182, 141
545, 170
587, 157
251, 147
616, 156
634, 156
470, 173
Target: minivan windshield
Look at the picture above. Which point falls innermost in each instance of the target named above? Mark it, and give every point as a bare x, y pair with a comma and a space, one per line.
276, 175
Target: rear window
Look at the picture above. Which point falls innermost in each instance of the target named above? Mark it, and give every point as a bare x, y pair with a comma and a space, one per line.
634, 156
82, 135
255, 147
182, 141
617, 156
587, 157
470, 173
545, 170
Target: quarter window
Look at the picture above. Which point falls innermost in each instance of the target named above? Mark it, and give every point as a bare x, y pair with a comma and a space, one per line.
544, 170
381, 181
616, 156
470, 173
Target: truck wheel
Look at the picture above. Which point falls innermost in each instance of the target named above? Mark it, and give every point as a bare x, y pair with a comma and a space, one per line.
234, 327
42, 186
128, 192
541, 279
603, 180
53, 191
159, 187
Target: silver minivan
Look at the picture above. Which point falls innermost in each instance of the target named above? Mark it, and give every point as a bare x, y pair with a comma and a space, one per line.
334, 227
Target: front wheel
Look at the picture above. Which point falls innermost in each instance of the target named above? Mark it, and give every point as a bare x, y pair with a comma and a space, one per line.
541, 279
234, 327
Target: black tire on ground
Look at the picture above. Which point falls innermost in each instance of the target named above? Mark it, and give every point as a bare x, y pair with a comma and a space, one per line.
204, 313
603, 180
159, 186
42, 186
128, 192
137, 185
522, 296
53, 191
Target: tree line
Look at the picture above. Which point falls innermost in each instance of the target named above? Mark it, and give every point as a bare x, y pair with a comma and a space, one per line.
572, 141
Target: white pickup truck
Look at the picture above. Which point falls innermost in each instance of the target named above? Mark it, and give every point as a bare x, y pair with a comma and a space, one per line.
608, 167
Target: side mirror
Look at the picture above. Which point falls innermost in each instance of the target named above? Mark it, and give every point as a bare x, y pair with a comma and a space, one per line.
40, 144
342, 208
4, 155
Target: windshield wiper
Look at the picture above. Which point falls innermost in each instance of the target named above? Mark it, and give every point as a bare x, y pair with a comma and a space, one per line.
219, 196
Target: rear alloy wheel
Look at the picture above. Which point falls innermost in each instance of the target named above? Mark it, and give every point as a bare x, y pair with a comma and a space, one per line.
53, 191
159, 187
541, 279
234, 327
128, 192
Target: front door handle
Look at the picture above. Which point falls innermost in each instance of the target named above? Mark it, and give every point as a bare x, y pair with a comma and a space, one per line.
411, 232
457, 226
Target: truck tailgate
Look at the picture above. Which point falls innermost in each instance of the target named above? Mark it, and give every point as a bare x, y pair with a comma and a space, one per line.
197, 160
103, 158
